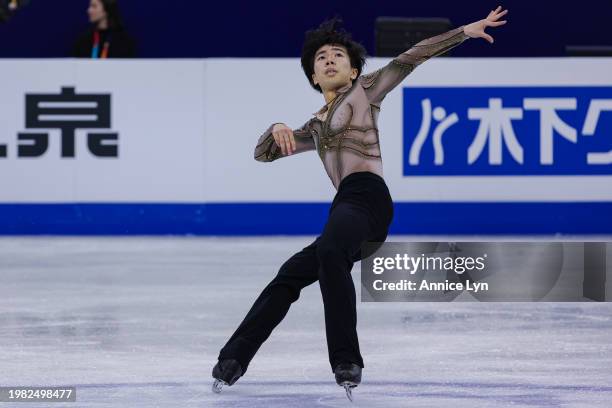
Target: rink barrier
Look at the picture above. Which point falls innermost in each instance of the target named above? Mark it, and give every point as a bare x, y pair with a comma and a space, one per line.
106, 147
300, 218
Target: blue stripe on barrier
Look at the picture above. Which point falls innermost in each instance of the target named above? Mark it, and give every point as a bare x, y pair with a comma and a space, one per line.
300, 218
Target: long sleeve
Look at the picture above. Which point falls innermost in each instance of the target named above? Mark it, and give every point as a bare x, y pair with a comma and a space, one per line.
267, 150
378, 83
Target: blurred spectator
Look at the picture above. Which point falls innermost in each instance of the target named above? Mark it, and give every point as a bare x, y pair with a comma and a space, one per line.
7, 7
107, 37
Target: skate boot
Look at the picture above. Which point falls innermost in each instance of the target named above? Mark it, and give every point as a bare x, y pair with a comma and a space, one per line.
225, 372
348, 375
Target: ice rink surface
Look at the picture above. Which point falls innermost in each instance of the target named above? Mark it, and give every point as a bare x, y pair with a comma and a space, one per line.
138, 322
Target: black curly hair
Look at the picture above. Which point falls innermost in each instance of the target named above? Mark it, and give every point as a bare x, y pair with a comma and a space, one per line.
330, 32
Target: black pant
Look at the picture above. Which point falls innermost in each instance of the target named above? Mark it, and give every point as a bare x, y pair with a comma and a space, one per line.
361, 211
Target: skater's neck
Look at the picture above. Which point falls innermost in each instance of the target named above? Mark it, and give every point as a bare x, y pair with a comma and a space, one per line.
330, 96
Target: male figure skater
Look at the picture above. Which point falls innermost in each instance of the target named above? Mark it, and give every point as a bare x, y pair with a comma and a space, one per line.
345, 135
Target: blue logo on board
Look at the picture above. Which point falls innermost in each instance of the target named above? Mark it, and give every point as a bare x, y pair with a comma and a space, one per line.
481, 131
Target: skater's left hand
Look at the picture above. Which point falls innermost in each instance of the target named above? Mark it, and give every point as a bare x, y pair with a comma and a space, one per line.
476, 30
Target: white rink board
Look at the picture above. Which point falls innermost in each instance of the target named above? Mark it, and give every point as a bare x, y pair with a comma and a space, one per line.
187, 130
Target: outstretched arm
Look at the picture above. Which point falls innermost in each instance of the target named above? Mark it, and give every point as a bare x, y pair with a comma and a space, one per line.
378, 83
279, 140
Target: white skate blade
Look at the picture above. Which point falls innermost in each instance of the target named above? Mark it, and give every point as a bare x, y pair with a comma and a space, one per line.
218, 385
348, 387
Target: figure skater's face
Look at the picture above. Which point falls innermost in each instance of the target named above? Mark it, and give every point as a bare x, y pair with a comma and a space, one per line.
96, 12
332, 67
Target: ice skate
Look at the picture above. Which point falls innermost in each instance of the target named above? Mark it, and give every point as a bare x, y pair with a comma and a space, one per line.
348, 375
225, 372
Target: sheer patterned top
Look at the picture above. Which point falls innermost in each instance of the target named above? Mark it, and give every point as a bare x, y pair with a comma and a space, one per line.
345, 133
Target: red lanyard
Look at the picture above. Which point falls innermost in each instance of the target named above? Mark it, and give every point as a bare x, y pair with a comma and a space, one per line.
95, 51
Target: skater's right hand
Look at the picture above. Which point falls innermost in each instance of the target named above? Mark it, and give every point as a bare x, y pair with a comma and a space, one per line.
283, 136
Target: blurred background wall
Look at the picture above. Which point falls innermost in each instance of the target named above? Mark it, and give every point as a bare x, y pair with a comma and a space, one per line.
195, 29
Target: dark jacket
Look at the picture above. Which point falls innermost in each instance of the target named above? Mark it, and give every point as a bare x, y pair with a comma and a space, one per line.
121, 45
